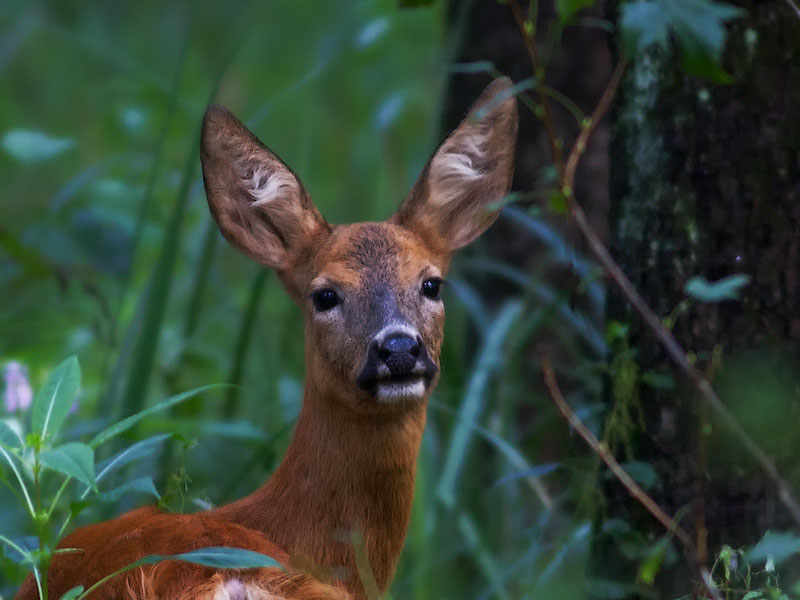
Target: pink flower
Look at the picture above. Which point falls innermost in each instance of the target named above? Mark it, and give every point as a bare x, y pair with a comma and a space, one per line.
18, 393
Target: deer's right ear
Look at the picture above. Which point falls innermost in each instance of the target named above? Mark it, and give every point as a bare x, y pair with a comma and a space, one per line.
451, 203
258, 203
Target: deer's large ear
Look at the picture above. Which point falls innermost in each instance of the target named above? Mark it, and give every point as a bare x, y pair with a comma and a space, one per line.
470, 169
258, 203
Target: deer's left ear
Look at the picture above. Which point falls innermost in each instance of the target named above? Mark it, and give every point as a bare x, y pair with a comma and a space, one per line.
471, 169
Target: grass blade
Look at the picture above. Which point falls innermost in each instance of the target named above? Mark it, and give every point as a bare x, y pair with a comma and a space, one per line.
243, 342
135, 394
485, 364
128, 422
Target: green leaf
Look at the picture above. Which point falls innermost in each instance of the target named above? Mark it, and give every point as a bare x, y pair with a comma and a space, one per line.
53, 401
143, 485
487, 361
125, 424
557, 203
218, 557
659, 381
34, 146
726, 288
73, 459
73, 593
776, 546
698, 26
651, 565
643, 24
569, 8
133, 452
229, 558
641, 472
10, 437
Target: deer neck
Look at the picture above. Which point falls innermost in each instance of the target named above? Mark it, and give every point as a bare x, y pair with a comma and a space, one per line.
347, 479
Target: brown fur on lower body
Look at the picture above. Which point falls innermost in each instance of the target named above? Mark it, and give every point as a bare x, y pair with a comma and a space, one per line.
148, 531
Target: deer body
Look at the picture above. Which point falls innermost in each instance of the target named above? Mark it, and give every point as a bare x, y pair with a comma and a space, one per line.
374, 321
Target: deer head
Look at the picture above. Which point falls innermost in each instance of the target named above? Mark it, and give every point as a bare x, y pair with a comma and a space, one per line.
369, 291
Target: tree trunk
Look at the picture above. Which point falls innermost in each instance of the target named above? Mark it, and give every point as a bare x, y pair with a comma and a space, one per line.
705, 180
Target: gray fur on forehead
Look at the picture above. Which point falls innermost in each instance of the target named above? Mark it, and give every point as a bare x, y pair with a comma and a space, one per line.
373, 247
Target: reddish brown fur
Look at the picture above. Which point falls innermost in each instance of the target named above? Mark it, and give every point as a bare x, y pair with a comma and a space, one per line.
351, 463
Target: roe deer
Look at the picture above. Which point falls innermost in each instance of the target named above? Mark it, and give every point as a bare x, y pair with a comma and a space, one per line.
369, 293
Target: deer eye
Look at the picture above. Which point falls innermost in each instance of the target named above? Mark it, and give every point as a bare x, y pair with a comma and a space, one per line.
431, 288
325, 299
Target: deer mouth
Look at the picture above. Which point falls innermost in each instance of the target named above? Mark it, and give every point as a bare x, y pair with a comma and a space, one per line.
393, 385
390, 388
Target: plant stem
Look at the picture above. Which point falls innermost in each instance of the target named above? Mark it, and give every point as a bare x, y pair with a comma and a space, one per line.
633, 488
529, 37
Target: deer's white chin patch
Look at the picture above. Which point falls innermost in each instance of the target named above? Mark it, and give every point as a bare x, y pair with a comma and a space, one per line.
391, 392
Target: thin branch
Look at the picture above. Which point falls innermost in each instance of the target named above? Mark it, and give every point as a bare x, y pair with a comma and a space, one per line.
633, 488
794, 7
589, 127
603, 452
529, 37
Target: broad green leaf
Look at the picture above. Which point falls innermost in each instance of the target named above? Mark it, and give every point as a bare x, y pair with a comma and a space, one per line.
698, 26
73, 593
228, 558
569, 8
643, 24
142, 485
776, 546
125, 424
34, 146
215, 556
53, 401
73, 459
726, 288
9, 436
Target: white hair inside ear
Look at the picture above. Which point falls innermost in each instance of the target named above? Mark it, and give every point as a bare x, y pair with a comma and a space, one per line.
457, 165
266, 185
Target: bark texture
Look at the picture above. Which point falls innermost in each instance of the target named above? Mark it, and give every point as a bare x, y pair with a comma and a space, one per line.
705, 180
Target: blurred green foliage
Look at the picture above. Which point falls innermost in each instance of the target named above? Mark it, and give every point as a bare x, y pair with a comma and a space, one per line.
107, 251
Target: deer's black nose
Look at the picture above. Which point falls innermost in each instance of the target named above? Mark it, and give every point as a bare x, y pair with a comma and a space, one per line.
399, 352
